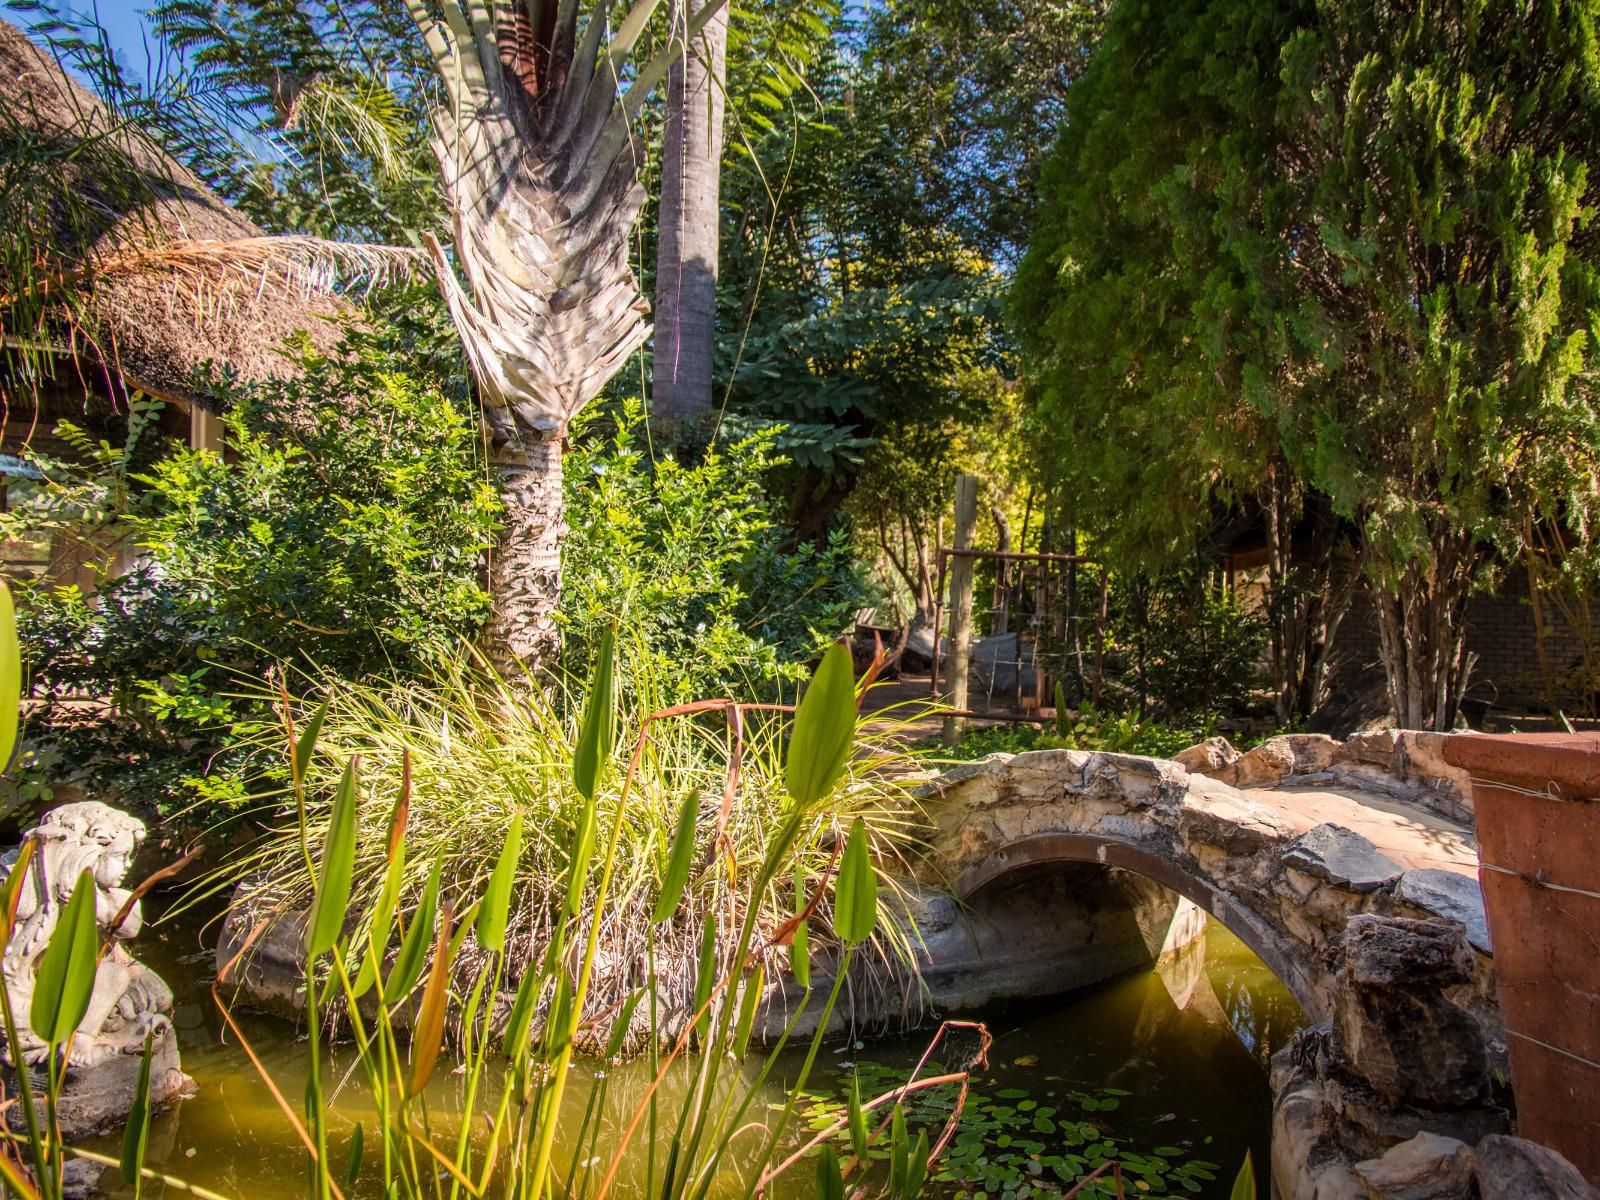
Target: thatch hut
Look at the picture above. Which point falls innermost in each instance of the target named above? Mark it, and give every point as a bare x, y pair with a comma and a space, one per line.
125, 274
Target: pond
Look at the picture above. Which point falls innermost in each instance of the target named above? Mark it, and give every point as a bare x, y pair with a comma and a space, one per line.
1165, 1068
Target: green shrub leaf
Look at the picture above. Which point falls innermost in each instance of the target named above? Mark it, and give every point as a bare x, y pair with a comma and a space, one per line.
1244, 1186
824, 726
332, 904
676, 876
855, 893
414, 947
598, 731
65, 980
495, 908
10, 678
136, 1135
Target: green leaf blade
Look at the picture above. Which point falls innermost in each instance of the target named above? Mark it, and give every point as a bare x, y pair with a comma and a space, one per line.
64, 983
332, 904
136, 1135
597, 732
495, 910
824, 729
414, 947
855, 892
676, 877
10, 678
1244, 1185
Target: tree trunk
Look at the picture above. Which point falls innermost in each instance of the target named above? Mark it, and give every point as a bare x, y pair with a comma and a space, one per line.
1421, 631
690, 227
525, 568
538, 160
1307, 593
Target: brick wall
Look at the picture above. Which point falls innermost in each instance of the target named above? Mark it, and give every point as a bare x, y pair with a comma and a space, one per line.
1500, 631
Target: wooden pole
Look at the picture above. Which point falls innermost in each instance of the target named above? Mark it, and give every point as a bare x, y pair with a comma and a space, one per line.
961, 605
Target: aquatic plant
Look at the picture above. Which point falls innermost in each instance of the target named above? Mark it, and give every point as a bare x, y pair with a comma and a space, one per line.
1014, 1143
518, 1062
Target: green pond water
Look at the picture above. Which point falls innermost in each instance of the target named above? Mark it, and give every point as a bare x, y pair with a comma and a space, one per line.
1165, 1068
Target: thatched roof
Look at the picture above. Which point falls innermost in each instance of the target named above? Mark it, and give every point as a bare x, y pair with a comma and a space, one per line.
153, 328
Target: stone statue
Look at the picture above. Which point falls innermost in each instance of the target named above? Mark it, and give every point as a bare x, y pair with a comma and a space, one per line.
130, 1001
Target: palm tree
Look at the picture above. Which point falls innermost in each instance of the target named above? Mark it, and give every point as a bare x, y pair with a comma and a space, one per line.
539, 165
690, 227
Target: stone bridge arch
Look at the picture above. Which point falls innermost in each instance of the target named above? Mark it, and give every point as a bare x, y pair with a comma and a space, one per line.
1286, 892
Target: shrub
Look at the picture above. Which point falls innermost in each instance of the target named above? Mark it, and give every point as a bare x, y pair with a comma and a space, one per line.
694, 565
343, 527
1190, 647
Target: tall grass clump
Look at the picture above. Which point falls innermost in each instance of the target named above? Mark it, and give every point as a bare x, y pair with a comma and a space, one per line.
698, 846
478, 753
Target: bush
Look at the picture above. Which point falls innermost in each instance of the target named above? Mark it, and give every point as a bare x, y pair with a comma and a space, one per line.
693, 564
343, 528
1189, 647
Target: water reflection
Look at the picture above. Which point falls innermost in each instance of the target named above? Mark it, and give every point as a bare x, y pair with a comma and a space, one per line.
1188, 1043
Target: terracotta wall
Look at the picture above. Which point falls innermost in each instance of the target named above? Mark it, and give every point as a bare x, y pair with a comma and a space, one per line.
1536, 800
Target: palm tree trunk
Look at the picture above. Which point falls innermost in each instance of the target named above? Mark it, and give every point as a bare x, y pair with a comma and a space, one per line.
538, 159
525, 569
687, 249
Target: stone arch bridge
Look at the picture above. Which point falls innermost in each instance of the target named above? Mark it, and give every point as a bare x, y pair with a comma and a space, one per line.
1064, 867
1284, 883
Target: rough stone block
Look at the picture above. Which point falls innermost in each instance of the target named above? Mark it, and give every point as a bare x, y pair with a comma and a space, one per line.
1510, 1168
1395, 1028
1450, 895
1209, 757
1265, 766
1342, 857
1426, 1167
1375, 748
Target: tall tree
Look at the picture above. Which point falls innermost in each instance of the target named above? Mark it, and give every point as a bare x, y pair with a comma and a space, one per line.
539, 164
1368, 244
1123, 304
1429, 211
690, 228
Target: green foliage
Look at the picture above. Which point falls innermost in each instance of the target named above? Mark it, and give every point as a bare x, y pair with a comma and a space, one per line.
847, 315
693, 566
1188, 646
483, 756
529, 750
343, 528
1012, 1139
1355, 245
824, 730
